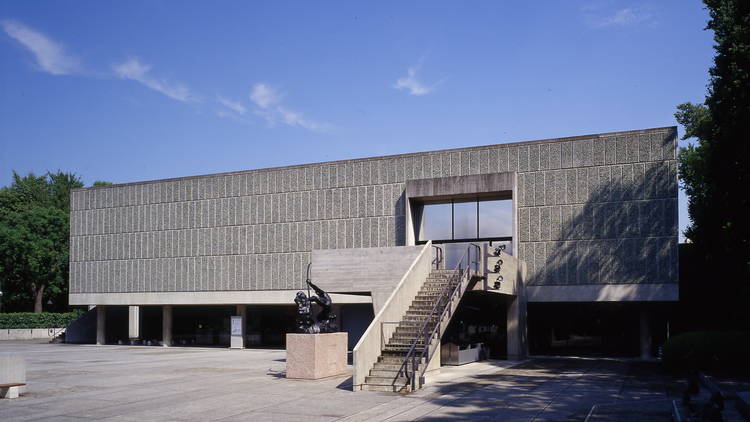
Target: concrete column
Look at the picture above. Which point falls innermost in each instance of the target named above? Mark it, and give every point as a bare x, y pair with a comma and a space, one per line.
237, 337
166, 325
645, 335
517, 347
101, 324
134, 317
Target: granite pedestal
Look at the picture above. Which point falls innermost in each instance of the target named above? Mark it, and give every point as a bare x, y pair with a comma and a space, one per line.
13, 370
315, 356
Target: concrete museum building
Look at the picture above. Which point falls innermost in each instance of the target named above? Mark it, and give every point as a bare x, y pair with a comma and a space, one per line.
407, 245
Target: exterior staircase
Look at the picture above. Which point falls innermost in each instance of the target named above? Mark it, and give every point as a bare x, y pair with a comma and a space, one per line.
422, 316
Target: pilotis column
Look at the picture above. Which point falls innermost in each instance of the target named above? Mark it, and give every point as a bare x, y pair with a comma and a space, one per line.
166, 325
134, 319
101, 324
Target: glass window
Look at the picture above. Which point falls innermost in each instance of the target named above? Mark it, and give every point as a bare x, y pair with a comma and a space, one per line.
496, 218
436, 222
465, 220
472, 219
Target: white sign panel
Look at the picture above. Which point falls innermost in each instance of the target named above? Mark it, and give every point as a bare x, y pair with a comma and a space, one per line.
236, 325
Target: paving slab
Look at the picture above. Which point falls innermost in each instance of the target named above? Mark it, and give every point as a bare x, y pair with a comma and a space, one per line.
141, 383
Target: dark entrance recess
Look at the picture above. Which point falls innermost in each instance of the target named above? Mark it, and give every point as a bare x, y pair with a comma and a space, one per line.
150, 323
267, 325
480, 318
201, 325
591, 329
116, 323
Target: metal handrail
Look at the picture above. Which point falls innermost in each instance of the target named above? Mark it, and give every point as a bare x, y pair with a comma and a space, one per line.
478, 254
382, 332
438, 256
411, 354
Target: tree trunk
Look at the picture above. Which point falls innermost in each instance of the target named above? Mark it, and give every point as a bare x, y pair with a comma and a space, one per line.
38, 295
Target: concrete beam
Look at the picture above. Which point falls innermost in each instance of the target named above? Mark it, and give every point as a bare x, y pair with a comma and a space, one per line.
456, 186
257, 297
605, 293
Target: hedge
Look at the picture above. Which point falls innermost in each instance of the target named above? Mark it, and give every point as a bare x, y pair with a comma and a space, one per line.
706, 350
33, 320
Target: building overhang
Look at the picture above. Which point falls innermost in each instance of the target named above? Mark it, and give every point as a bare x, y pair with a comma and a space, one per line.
666, 292
257, 297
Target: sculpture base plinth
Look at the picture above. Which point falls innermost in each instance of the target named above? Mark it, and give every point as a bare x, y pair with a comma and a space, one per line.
315, 356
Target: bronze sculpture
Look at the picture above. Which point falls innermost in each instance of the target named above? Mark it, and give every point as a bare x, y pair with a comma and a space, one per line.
326, 319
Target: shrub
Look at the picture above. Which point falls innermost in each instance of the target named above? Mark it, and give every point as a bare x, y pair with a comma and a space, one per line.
33, 320
705, 350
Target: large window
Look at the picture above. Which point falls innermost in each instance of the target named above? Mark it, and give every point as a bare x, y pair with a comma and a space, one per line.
460, 220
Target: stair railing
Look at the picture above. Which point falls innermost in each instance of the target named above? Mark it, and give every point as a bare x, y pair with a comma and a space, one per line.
478, 255
386, 333
446, 298
438, 256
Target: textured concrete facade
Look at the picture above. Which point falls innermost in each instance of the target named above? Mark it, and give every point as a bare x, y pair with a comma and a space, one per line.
591, 209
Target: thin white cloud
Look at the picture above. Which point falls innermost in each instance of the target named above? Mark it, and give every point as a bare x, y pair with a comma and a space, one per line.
412, 84
133, 69
624, 17
604, 16
268, 106
264, 96
234, 106
50, 56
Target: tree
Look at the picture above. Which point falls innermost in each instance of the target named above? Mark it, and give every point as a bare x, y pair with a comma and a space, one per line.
34, 239
716, 172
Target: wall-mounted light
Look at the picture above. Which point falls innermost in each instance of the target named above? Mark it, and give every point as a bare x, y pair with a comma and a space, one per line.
498, 266
498, 249
498, 282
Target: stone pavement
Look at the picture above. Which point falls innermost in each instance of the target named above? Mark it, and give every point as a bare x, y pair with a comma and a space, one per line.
129, 383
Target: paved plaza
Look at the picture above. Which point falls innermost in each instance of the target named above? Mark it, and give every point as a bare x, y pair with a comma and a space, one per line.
140, 383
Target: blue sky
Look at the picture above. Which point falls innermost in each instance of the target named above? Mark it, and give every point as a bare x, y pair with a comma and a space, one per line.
140, 90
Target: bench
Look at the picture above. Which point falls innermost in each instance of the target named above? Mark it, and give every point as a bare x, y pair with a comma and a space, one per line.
10, 391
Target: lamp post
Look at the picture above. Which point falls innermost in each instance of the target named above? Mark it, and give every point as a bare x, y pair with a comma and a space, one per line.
1, 300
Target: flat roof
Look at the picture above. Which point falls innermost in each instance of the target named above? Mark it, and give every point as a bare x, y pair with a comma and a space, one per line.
380, 157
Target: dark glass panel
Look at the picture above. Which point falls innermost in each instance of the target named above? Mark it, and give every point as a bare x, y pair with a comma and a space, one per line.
436, 222
496, 218
465, 220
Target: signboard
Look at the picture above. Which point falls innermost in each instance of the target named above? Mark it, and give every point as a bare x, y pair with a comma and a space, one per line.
237, 326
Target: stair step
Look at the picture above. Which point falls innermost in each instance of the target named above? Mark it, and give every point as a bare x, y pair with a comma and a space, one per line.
385, 366
420, 318
403, 348
422, 310
400, 381
386, 373
404, 339
385, 388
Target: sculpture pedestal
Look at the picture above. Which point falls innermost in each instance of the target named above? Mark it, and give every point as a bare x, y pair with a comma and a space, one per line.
314, 356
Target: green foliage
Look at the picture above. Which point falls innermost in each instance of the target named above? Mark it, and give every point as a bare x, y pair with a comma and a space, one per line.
101, 183
34, 240
38, 320
706, 350
715, 172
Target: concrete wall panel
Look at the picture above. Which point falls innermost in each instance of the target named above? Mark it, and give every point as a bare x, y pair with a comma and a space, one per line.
596, 209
